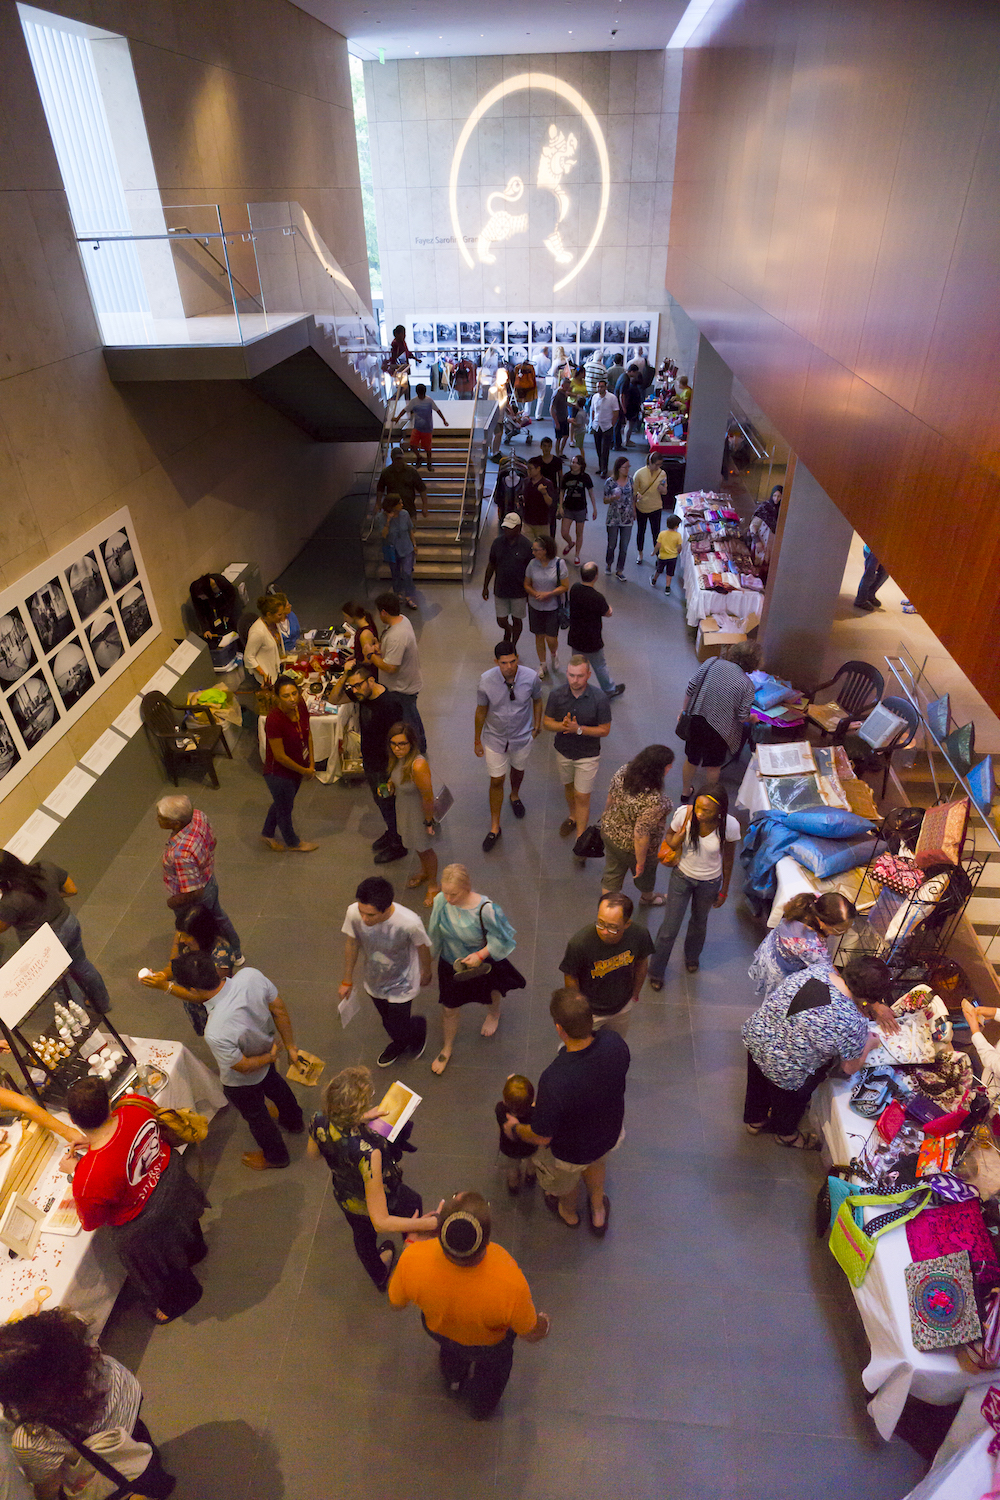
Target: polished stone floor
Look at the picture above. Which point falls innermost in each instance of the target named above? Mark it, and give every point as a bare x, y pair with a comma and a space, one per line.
707, 1349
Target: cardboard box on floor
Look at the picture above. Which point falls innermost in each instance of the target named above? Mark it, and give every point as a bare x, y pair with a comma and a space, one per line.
714, 634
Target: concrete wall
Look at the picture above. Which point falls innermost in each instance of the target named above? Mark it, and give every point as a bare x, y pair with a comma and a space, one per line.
417, 110
241, 104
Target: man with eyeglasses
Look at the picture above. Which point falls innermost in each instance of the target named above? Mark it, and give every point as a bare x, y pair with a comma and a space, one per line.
608, 960
378, 711
508, 720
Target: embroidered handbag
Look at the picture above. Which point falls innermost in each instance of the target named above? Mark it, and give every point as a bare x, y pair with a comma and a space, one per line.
852, 1247
899, 874
943, 1311
949, 1229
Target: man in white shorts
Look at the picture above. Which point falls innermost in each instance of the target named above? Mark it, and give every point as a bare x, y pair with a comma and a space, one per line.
579, 715
508, 719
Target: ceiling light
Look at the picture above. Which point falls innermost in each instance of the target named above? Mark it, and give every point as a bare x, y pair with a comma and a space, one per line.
689, 22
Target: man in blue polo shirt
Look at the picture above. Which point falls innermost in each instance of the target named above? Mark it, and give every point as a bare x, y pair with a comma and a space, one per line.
243, 1014
508, 719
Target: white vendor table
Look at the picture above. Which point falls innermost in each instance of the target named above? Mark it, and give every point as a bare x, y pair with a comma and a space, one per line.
328, 732
793, 879
896, 1369
81, 1271
962, 1468
737, 604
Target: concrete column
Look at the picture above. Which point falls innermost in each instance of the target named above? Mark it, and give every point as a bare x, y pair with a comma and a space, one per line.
803, 585
710, 403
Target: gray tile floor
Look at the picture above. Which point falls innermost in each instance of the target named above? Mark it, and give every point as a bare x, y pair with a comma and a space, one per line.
707, 1348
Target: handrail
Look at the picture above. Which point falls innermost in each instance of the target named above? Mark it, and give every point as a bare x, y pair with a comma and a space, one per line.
183, 231
472, 435
384, 443
735, 419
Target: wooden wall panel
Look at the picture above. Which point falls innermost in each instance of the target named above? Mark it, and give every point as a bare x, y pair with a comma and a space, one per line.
835, 233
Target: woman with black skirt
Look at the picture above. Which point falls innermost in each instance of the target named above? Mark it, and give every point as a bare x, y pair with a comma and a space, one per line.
469, 932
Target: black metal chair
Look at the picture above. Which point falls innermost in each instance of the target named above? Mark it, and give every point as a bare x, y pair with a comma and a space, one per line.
858, 688
865, 759
179, 736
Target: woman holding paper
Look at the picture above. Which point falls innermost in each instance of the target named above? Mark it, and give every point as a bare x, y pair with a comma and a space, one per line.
30, 897
367, 1178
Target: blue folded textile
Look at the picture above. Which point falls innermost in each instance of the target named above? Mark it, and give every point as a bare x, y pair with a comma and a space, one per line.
830, 823
770, 694
829, 857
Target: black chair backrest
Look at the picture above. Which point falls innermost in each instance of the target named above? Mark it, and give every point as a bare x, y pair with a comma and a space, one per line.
862, 687
158, 714
903, 709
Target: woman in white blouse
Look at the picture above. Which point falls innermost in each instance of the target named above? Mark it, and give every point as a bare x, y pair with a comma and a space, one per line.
262, 654
698, 848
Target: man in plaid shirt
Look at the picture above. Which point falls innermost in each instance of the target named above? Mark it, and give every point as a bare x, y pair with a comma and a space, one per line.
189, 865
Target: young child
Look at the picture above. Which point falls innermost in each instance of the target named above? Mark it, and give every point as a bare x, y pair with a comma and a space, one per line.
668, 545
421, 412
578, 424
518, 1099
397, 538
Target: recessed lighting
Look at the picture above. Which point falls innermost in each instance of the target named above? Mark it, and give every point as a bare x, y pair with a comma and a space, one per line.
496, 289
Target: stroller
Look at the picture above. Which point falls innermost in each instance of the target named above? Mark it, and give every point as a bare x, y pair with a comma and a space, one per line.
515, 421
509, 490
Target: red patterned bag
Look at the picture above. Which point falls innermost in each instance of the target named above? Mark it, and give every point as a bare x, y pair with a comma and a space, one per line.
942, 834
950, 1228
899, 874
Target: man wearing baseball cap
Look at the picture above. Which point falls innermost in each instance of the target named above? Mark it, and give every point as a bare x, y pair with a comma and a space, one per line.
474, 1299
510, 555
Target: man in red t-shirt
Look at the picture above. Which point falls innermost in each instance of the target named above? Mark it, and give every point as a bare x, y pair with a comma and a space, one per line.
115, 1178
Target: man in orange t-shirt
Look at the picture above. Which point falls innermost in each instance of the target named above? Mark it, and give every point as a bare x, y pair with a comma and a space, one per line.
474, 1299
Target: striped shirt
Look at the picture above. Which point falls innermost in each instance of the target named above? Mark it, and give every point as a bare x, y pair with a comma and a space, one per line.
189, 857
42, 1452
726, 700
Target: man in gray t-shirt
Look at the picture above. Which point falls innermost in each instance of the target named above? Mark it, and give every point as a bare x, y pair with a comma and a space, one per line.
396, 952
398, 660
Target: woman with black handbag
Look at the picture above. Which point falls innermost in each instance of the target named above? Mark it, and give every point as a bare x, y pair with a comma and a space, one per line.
472, 942
716, 707
76, 1409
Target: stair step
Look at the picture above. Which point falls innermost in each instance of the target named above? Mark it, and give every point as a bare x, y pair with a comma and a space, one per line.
449, 571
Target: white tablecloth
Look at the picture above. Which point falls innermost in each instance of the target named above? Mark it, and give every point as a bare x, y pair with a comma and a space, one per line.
81, 1271
962, 1467
896, 1369
738, 605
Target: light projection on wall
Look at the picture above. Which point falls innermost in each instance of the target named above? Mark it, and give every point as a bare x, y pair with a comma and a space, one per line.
558, 156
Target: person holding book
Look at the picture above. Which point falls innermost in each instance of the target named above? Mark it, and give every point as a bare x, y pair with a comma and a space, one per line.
518, 1100
367, 1177
396, 964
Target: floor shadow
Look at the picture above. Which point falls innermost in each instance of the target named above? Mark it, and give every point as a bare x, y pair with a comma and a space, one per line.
227, 1460
254, 1262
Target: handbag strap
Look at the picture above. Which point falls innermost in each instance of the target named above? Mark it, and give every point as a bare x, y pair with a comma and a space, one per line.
908, 1204
482, 924
124, 1486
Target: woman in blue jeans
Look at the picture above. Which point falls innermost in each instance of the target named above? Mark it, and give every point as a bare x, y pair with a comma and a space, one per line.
30, 897
620, 517
699, 849
289, 761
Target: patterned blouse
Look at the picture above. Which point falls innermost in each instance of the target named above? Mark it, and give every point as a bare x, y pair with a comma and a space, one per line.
349, 1157
621, 507
628, 815
787, 948
789, 1049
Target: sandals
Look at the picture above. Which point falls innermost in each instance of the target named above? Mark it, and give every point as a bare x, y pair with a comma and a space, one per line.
416, 880
800, 1141
755, 1129
652, 900
655, 984
444, 1058
552, 1204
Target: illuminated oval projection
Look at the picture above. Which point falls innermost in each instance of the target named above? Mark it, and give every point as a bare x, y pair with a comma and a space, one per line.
557, 159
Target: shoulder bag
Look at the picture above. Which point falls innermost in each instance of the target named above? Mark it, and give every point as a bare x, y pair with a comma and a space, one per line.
562, 620
853, 1247
107, 1466
179, 1127
462, 973
684, 722
943, 1313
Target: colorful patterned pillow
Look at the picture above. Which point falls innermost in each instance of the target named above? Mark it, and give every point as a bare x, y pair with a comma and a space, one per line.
942, 834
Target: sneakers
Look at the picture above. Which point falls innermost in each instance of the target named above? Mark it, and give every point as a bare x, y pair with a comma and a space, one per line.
617, 691
620, 576
239, 962
390, 1054
383, 842
418, 1048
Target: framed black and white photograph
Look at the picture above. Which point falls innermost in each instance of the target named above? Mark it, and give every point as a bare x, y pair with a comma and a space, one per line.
638, 330
17, 654
518, 354
586, 354
614, 332
423, 334
493, 331
565, 333
118, 560
106, 645
9, 754
610, 350
86, 585
50, 614
447, 333
34, 709
590, 331
471, 333
541, 333
72, 673
135, 613
517, 331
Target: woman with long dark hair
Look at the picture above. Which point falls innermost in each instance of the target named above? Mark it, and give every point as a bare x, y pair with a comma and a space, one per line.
289, 762
58, 1387
198, 931
30, 897
364, 631
698, 849
633, 821
800, 938
367, 1177
577, 489
409, 776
